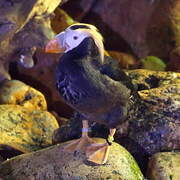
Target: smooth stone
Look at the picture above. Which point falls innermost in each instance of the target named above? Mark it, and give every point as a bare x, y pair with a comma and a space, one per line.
54, 163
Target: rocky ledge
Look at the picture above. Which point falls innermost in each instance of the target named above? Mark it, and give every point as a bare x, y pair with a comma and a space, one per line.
54, 163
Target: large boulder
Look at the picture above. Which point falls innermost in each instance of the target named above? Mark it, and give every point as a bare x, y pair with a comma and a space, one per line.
155, 127
141, 27
24, 129
54, 163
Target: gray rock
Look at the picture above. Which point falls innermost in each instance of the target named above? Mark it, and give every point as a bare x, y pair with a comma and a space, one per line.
164, 166
155, 126
53, 164
24, 24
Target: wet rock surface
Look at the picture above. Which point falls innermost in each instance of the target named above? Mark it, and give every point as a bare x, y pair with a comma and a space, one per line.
165, 165
25, 129
55, 163
155, 127
16, 92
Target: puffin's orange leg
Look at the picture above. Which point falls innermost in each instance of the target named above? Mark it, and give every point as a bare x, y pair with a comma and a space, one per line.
81, 143
98, 153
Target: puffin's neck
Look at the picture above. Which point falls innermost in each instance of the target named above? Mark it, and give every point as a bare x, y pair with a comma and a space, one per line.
86, 48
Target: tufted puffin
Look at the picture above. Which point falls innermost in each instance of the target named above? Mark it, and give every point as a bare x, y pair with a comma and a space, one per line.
92, 84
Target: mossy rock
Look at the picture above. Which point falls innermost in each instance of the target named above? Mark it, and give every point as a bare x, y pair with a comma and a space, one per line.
17, 92
54, 163
24, 129
153, 63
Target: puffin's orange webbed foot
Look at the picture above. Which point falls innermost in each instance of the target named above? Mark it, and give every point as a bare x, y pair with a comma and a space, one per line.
98, 153
79, 144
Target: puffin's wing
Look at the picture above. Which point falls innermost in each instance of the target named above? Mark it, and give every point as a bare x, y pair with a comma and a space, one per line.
112, 70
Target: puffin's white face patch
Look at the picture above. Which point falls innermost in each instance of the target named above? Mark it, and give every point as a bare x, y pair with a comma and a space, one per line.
73, 38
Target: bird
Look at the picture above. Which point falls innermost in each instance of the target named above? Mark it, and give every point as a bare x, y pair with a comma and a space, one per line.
92, 84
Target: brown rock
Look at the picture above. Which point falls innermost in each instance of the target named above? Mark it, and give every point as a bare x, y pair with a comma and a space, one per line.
55, 163
141, 27
61, 20
16, 92
164, 166
24, 129
174, 64
126, 61
15, 16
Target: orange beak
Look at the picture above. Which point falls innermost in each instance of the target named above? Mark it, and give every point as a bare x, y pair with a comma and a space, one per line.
54, 46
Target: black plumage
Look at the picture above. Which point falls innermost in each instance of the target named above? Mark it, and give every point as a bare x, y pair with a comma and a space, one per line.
99, 91
93, 85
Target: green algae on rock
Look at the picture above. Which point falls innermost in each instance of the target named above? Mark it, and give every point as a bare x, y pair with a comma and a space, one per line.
24, 129
153, 63
55, 163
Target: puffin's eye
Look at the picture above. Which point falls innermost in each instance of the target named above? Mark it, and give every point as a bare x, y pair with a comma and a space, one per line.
75, 37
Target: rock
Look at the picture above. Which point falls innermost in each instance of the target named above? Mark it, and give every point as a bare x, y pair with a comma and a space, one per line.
164, 166
1, 159
16, 92
154, 127
33, 36
25, 27
126, 61
61, 20
15, 16
25, 129
174, 15
173, 64
140, 27
7, 152
54, 163
153, 63
4, 75
79, 8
